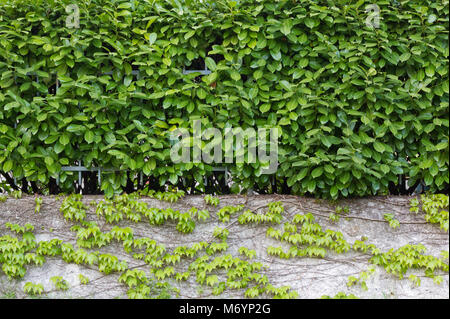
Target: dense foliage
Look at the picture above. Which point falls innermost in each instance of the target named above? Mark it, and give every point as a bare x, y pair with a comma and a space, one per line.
360, 109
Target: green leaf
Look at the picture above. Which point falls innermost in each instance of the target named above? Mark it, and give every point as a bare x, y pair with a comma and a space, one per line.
64, 139
311, 186
258, 74
378, 147
384, 168
276, 55
286, 27
110, 138
235, 75
89, 136
48, 160
303, 62
264, 107
309, 23
189, 34
317, 172
285, 85
7, 166
431, 18
201, 93
149, 166
152, 38
58, 148
127, 80
210, 64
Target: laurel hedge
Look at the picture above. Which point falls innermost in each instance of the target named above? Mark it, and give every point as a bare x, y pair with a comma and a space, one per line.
359, 108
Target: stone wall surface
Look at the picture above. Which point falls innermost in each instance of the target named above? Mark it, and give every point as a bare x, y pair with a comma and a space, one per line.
310, 277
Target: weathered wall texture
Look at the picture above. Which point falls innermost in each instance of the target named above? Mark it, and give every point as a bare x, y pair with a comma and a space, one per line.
311, 278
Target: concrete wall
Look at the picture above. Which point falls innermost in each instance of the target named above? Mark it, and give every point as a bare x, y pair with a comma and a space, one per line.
310, 277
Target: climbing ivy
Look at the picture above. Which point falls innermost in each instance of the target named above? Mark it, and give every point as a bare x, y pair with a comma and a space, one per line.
171, 196
208, 263
361, 279
38, 202
407, 257
435, 208
33, 289
60, 283
393, 223
340, 295
273, 215
72, 208
225, 212
83, 279
211, 200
